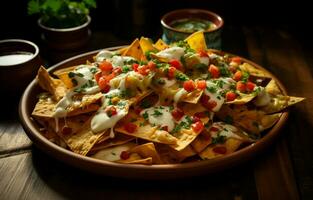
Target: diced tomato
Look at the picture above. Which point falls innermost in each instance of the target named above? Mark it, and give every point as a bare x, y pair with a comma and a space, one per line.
178, 114
203, 53
105, 66
211, 104
214, 129
135, 67
250, 86
236, 59
151, 65
97, 76
196, 119
171, 72
130, 127
233, 68
200, 114
176, 63
204, 99
165, 128
231, 96
143, 70
111, 111
198, 126
117, 71
138, 110
124, 155
220, 150
241, 86
237, 76
189, 85
103, 84
214, 71
66, 130
201, 84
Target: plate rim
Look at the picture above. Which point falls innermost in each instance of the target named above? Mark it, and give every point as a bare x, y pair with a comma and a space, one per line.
163, 171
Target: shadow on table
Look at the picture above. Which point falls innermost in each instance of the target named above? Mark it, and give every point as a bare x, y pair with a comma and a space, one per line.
74, 183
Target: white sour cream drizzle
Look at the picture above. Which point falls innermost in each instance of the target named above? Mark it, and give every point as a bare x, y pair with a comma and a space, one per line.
117, 61
215, 96
113, 153
163, 119
172, 53
204, 60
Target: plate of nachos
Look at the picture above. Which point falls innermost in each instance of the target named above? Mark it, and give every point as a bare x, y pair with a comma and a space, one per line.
155, 110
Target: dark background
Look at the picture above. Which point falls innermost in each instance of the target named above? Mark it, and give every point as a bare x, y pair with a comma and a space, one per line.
127, 19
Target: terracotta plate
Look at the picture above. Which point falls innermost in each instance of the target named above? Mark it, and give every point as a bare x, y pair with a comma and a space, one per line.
167, 171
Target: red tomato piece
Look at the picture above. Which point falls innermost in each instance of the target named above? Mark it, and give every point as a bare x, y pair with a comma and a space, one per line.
117, 70
211, 104
151, 65
177, 114
171, 72
135, 67
201, 84
236, 59
214, 129
189, 85
143, 70
237, 76
176, 63
97, 76
105, 66
220, 150
203, 53
198, 126
204, 99
124, 155
66, 130
165, 128
241, 86
214, 71
111, 111
138, 110
103, 84
250, 86
200, 114
195, 119
231, 96
130, 127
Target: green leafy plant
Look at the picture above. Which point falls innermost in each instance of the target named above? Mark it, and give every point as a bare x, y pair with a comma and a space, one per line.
61, 13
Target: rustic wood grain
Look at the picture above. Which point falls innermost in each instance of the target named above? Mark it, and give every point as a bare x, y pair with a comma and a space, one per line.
34, 175
281, 54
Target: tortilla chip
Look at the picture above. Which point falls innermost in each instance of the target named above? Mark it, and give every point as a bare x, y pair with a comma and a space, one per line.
202, 141
53, 86
146, 45
169, 155
196, 41
253, 70
160, 45
147, 132
113, 153
147, 151
191, 109
106, 141
44, 107
192, 97
122, 50
136, 159
280, 102
82, 141
243, 98
273, 88
134, 50
62, 74
185, 137
230, 146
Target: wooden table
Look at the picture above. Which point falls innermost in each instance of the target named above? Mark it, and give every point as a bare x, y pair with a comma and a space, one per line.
284, 171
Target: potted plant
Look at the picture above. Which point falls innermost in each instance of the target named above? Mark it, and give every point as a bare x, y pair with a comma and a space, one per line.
64, 23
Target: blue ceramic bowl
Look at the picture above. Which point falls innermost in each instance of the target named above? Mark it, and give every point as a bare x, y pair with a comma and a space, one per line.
212, 36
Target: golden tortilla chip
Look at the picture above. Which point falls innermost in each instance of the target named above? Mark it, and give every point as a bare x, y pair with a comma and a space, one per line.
196, 41
273, 88
192, 97
62, 74
253, 70
146, 45
160, 45
213, 151
82, 141
136, 159
202, 141
147, 151
44, 107
243, 98
53, 86
106, 141
113, 153
169, 155
134, 50
280, 102
185, 137
147, 132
